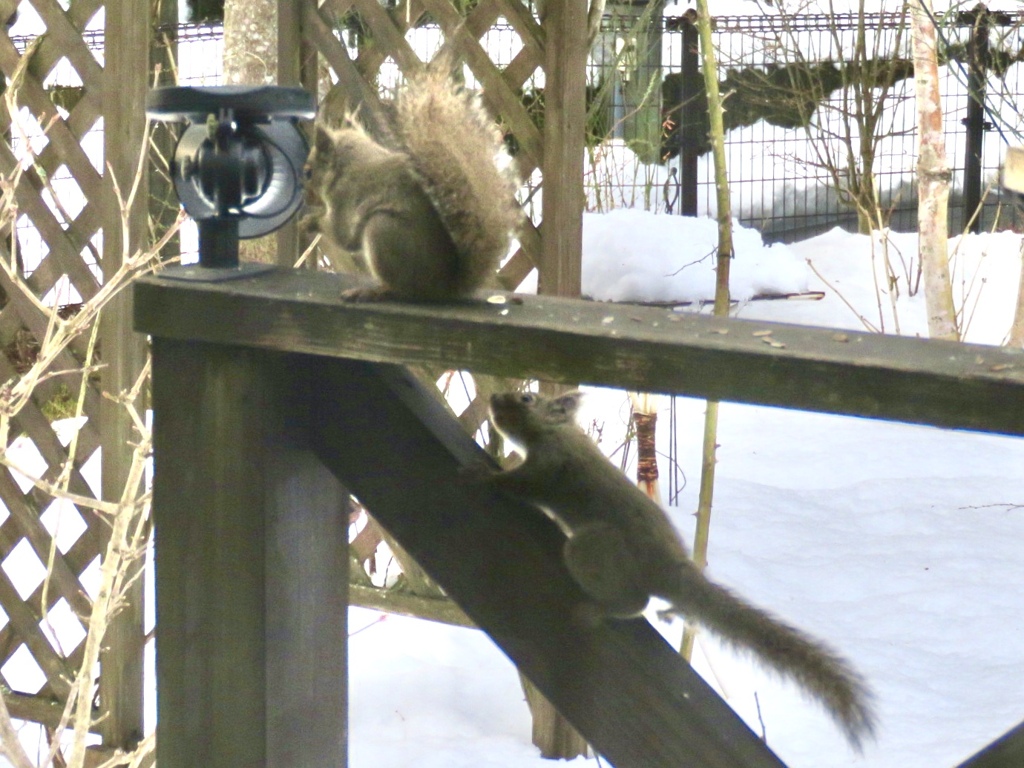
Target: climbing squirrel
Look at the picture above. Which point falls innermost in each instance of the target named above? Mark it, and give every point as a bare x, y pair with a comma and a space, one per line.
622, 550
429, 208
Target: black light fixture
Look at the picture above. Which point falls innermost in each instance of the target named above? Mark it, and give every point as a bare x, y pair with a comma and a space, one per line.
238, 165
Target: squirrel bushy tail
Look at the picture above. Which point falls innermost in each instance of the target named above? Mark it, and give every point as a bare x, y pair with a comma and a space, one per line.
453, 145
815, 667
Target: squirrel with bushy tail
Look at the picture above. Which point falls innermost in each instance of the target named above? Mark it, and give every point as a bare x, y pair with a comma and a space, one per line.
430, 208
428, 204
622, 550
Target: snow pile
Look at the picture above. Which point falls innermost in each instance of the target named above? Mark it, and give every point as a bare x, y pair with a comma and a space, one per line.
633, 255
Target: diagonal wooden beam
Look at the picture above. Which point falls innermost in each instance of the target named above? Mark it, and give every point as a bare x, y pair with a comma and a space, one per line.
1005, 752
394, 445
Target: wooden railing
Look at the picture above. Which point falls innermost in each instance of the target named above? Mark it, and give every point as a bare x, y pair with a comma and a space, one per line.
273, 399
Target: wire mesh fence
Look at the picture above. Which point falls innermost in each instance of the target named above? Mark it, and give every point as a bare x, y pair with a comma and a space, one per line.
809, 100
819, 113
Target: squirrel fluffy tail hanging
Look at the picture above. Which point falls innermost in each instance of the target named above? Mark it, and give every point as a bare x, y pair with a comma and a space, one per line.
815, 667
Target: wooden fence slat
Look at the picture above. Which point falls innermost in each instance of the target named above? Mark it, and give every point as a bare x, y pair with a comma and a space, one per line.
21, 312
529, 29
123, 353
63, 39
498, 95
36, 709
37, 427
25, 621
65, 254
390, 38
33, 95
64, 242
560, 262
404, 17
357, 90
31, 529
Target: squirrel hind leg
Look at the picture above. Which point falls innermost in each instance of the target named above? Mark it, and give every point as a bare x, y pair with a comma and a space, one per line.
606, 569
412, 256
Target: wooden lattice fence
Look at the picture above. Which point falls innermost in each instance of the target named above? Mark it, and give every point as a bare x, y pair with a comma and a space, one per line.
65, 88
77, 94
384, 43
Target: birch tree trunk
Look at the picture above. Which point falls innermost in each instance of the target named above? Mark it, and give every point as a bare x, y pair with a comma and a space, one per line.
1017, 329
933, 176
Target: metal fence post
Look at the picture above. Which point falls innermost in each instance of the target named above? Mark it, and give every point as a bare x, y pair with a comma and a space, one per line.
977, 71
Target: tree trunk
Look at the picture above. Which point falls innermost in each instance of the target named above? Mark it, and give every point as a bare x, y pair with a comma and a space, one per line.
933, 176
250, 58
1017, 329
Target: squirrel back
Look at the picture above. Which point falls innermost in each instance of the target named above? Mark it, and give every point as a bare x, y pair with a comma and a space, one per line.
431, 212
622, 550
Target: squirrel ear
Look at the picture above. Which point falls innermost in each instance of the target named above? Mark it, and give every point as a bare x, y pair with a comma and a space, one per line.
570, 402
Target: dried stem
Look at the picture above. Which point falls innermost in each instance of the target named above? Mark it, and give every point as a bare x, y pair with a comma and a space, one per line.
129, 515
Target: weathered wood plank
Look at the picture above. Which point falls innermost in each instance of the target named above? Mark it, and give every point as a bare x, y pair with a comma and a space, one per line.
252, 565
393, 444
649, 349
38, 709
565, 115
1006, 752
121, 685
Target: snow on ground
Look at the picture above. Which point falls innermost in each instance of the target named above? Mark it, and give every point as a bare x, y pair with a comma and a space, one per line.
898, 544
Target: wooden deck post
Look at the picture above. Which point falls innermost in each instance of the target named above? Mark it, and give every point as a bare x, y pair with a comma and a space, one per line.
565, 108
123, 351
252, 568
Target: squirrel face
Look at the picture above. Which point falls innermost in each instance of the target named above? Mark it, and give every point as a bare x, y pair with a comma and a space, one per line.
523, 416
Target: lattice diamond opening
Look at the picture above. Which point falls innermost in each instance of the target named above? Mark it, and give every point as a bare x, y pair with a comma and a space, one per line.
90, 578
64, 73
63, 293
69, 200
63, 628
91, 472
28, 137
88, 255
24, 569
30, 463
92, 145
64, 524
22, 673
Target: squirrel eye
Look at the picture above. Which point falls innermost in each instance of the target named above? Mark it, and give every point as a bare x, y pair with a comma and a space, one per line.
526, 398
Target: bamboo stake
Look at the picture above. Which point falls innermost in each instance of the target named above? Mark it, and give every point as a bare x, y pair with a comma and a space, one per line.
721, 308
